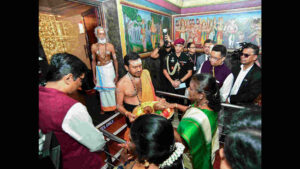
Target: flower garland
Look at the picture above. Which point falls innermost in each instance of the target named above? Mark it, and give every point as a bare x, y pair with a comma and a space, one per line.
174, 156
177, 65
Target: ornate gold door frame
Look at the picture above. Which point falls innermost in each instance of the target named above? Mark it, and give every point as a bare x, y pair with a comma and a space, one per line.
57, 36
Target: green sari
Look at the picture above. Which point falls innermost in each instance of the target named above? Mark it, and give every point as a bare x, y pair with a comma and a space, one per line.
198, 127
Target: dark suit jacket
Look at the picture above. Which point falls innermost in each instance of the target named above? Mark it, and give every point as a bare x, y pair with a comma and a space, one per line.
250, 87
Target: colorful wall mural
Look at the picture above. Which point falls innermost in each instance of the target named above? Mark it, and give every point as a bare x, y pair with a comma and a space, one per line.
228, 29
143, 29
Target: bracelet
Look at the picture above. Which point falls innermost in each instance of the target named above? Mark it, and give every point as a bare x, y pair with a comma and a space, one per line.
176, 106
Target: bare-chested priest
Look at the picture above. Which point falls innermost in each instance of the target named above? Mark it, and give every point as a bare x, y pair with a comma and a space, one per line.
134, 88
105, 70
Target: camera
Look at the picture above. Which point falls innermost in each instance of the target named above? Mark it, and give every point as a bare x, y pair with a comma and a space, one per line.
238, 52
165, 32
235, 56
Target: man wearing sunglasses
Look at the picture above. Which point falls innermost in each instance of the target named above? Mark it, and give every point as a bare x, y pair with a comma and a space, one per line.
247, 77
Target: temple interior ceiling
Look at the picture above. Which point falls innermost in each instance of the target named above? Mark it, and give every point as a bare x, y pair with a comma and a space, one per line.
62, 8
65, 7
197, 3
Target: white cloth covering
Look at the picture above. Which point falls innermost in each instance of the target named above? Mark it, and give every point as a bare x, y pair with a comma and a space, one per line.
78, 124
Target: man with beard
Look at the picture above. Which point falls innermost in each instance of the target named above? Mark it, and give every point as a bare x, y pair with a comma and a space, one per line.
161, 52
105, 71
134, 88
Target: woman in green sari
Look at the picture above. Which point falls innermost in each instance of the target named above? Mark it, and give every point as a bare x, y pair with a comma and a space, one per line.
198, 128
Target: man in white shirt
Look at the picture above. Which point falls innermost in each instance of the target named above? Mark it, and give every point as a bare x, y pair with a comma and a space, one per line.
247, 77
68, 118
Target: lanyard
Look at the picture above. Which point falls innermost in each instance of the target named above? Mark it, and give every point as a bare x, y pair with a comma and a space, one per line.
194, 61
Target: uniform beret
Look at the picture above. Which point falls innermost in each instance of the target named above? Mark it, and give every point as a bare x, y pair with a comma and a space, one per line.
179, 41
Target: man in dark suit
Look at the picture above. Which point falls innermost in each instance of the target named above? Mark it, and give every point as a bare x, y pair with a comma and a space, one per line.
247, 78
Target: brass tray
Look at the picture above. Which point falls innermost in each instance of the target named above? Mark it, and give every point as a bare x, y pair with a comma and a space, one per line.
147, 108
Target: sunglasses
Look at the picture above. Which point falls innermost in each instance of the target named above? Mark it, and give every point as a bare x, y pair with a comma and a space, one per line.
245, 54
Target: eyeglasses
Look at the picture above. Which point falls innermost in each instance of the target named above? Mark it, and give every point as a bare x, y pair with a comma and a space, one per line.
214, 58
81, 79
246, 55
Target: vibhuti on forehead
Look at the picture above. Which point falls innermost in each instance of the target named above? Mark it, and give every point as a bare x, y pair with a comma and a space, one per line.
101, 30
135, 62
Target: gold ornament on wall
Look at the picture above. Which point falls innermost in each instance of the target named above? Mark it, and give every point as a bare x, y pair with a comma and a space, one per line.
57, 35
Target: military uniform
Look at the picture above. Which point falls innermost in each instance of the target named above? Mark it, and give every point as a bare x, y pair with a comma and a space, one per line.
182, 68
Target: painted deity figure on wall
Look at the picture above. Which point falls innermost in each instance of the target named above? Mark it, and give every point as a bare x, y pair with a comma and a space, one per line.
182, 29
143, 34
231, 29
191, 31
208, 27
160, 32
241, 38
138, 33
187, 30
177, 29
258, 32
153, 31
203, 31
213, 30
220, 30
130, 30
197, 38
255, 36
